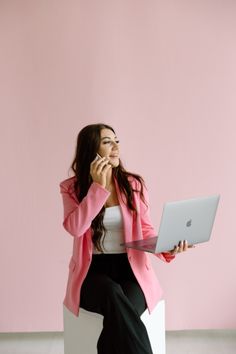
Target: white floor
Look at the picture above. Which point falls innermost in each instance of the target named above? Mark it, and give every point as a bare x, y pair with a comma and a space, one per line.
177, 342
201, 342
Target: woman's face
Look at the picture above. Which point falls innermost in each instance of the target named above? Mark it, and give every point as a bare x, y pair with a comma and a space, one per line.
109, 146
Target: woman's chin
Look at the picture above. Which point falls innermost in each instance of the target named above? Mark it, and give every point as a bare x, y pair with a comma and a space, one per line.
114, 163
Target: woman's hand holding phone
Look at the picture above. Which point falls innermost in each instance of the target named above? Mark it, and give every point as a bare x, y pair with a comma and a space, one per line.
99, 168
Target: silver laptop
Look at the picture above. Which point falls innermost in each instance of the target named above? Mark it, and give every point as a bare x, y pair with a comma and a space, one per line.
190, 220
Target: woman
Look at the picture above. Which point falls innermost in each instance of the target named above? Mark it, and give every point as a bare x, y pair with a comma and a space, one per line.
105, 206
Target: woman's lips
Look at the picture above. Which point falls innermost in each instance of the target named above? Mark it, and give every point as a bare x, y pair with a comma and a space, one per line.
114, 156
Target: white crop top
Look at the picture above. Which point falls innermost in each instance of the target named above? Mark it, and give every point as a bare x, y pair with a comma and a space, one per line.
114, 236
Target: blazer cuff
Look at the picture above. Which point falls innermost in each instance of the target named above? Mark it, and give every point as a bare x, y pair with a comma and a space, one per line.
166, 257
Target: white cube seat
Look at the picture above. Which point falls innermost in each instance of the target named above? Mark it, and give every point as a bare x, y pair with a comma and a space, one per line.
81, 333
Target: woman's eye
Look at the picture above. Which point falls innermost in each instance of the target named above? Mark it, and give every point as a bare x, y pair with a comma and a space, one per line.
110, 142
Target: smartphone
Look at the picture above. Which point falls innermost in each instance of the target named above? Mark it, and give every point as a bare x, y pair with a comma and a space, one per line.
100, 157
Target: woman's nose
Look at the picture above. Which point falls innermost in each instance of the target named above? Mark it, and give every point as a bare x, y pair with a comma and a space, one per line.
114, 145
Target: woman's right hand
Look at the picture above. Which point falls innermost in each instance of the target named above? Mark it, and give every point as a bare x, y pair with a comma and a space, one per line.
99, 168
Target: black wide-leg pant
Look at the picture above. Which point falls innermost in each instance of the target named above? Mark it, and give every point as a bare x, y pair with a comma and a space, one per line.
111, 289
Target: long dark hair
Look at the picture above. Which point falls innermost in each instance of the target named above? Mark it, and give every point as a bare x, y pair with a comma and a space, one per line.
88, 142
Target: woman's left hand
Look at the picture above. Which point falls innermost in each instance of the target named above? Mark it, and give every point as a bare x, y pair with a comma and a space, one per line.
182, 247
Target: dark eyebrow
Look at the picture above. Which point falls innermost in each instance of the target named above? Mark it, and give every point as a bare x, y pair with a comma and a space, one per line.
108, 137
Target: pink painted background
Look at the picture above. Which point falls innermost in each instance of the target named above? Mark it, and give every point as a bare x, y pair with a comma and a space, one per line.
163, 74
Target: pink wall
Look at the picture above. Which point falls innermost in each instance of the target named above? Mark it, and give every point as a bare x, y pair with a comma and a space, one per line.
163, 74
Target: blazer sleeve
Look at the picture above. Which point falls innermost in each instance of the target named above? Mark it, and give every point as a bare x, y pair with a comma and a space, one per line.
78, 216
147, 228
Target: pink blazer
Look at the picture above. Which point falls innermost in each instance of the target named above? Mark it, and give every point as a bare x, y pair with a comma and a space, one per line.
77, 221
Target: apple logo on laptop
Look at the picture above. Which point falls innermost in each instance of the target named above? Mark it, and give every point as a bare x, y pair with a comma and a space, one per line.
189, 223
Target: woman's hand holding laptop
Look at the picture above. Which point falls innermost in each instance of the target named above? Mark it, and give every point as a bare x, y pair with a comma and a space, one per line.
182, 247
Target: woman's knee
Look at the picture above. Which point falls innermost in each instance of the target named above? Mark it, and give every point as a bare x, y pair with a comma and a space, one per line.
113, 295
112, 289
